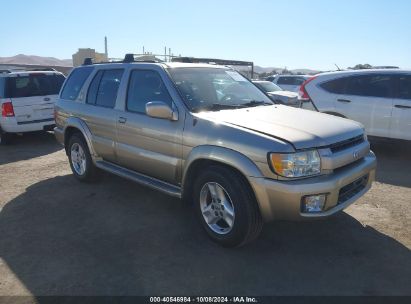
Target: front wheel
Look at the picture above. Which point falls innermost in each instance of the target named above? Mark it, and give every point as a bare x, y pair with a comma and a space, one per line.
226, 207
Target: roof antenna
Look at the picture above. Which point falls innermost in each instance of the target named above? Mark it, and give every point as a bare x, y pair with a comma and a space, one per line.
338, 68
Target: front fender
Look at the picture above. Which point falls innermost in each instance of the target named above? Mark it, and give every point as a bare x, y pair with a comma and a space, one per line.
222, 155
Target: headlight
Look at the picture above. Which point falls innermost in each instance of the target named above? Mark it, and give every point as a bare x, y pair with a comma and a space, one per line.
298, 164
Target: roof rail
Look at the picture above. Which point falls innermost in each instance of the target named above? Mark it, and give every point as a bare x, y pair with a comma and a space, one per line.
128, 58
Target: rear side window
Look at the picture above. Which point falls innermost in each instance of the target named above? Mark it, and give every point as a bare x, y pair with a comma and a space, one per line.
335, 86
285, 80
369, 85
104, 87
33, 85
405, 87
291, 80
75, 82
145, 86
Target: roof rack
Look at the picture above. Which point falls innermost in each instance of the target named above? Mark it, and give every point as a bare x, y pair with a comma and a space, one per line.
128, 58
21, 70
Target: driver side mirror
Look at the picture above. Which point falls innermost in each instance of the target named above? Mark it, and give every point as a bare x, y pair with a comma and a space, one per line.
159, 109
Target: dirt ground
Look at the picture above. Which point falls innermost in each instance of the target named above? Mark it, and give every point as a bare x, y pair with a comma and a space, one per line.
62, 237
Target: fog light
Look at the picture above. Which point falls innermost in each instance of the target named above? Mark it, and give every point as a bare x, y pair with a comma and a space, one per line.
313, 203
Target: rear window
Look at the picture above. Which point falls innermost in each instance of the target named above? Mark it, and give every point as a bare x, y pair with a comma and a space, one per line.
75, 82
33, 85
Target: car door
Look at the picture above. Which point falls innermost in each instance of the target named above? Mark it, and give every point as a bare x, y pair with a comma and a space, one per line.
368, 100
149, 145
99, 113
401, 112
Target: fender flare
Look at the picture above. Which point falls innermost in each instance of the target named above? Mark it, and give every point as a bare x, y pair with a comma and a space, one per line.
75, 122
222, 155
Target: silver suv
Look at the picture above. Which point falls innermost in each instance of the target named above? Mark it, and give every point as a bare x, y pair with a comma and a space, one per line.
206, 134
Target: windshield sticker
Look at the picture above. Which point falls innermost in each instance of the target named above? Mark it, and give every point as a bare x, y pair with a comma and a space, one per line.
236, 76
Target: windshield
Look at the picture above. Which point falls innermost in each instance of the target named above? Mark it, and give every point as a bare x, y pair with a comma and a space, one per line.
207, 89
268, 86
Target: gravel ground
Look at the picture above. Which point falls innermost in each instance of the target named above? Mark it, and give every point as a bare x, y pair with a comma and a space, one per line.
62, 237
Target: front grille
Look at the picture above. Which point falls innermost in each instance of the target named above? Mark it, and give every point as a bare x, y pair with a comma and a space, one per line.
342, 145
352, 189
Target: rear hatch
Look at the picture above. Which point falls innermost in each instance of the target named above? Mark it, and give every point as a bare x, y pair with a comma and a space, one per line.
33, 95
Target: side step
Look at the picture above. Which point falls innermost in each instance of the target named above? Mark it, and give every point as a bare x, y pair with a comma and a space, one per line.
142, 179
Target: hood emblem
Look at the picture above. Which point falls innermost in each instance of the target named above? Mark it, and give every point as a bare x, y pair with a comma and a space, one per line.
356, 154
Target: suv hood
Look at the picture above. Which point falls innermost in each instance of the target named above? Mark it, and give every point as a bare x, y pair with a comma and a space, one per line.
302, 128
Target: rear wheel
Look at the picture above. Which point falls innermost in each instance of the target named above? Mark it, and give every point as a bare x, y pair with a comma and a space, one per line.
5, 138
226, 207
80, 159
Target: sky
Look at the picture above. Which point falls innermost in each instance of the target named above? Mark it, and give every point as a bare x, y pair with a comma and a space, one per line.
312, 34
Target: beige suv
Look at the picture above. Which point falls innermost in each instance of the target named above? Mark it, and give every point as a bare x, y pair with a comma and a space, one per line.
206, 134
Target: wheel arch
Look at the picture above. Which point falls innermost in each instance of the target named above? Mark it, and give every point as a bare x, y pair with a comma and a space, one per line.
205, 156
76, 125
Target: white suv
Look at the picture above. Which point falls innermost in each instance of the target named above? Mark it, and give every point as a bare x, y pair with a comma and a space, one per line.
27, 101
379, 99
290, 83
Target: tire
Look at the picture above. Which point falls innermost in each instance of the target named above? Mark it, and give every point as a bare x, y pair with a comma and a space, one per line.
5, 138
239, 207
80, 159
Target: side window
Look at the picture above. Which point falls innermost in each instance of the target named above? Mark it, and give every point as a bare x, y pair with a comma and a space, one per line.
298, 80
405, 87
92, 89
2, 88
335, 86
283, 80
103, 89
145, 86
75, 82
369, 85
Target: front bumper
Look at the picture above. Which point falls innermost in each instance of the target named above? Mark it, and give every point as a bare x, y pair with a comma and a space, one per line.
282, 199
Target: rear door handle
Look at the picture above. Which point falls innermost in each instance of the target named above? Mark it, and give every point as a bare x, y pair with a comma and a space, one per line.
344, 100
122, 120
402, 107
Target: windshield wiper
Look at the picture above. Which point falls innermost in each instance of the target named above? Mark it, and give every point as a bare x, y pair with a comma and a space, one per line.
255, 103
215, 107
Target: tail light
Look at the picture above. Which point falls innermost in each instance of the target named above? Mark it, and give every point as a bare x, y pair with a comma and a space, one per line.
7, 109
302, 93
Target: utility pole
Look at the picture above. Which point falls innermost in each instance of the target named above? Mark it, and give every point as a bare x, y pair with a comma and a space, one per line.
105, 47
165, 54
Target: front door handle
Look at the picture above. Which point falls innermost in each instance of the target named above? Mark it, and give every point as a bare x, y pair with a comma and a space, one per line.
344, 100
122, 120
402, 107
